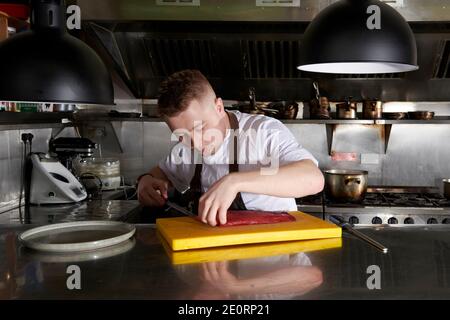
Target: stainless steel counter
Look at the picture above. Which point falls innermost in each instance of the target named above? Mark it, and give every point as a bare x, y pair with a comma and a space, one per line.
417, 267
86, 210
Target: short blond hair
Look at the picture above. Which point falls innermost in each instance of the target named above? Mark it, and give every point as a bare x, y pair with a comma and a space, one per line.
179, 89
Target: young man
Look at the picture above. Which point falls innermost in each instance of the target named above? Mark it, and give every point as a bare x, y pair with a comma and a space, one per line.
227, 159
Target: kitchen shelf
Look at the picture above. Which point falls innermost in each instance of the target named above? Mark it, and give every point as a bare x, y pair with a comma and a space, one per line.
33, 120
41, 120
19, 118
26, 119
25, 126
142, 119
293, 121
435, 120
330, 121
287, 121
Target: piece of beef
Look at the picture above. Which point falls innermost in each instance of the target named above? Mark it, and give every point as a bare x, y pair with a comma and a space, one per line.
248, 217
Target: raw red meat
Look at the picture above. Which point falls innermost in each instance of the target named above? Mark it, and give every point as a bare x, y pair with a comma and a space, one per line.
248, 217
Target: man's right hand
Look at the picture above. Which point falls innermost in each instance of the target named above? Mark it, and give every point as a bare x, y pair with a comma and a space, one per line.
152, 191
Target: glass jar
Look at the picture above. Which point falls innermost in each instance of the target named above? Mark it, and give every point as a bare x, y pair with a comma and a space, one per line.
107, 170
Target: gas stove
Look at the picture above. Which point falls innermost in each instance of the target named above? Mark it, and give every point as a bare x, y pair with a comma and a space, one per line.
385, 205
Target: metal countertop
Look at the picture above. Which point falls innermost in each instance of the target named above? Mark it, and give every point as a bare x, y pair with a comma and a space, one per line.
417, 267
86, 210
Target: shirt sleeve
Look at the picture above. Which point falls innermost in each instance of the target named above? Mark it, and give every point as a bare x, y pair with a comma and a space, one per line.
282, 145
177, 167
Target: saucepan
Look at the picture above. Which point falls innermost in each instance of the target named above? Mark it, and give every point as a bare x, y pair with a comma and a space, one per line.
421, 115
346, 110
395, 115
346, 185
64, 107
319, 108
284, 109
446, 183
372, 109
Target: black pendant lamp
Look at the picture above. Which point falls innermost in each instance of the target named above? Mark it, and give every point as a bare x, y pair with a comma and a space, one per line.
47, 64
358, 37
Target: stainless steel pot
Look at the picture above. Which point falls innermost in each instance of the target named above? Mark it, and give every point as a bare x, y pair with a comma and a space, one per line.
346, 110
284, 109
372, 109
421, 115
64, 107
319, 108
446, 183
395, 115
346, 185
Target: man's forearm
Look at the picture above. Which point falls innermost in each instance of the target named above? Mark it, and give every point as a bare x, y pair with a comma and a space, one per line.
297, 279
296, 179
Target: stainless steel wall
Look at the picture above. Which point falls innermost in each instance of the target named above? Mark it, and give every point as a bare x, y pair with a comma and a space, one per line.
418, 154
10, 161
11, 148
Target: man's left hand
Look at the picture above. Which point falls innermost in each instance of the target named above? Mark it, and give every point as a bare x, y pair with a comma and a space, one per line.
213, 204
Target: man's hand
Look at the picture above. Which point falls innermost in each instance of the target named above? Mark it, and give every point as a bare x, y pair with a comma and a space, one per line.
213, 204
280, 280
152, 191
217, 274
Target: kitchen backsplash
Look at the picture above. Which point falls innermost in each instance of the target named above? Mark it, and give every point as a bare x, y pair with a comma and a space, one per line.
417, 154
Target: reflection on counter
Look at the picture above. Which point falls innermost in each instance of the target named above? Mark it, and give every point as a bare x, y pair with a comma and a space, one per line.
116, 210
261, 271
247, 251
27, 272
278, 277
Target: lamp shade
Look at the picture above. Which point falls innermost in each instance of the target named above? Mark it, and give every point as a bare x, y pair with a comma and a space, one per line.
47, 64
358, 37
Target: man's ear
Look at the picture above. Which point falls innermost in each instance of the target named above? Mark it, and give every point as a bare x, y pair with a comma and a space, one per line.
219, 105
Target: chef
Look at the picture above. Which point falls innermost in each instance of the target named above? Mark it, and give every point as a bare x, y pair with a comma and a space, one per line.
225, 160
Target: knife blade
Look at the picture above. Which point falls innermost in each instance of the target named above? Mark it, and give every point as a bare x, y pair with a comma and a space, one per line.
180, 209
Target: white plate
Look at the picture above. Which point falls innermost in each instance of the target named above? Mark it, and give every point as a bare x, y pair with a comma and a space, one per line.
81, 256
77, 236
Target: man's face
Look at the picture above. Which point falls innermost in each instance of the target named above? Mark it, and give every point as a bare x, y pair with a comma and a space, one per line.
202, 125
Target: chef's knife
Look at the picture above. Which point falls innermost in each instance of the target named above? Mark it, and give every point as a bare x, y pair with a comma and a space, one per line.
180, 209
349, 228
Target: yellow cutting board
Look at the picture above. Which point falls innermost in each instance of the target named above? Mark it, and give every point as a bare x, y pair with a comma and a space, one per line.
188, 233
248, 251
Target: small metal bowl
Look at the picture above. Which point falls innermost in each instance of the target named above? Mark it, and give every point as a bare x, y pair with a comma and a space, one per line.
394, 115
421, 115
64, 107
446, 183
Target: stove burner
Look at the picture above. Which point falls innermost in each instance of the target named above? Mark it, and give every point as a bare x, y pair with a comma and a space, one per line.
385, 199
385, 205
